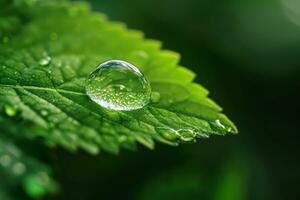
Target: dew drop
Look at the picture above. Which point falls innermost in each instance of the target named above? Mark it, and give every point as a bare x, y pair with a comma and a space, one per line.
167, 133
118, 85
122, 138
44, 112
9, 110
202, 135
155, 96
170, 101
219, 124
45, 60
186, 135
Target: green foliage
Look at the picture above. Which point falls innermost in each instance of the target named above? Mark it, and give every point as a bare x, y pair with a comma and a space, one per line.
43, 67
48, 48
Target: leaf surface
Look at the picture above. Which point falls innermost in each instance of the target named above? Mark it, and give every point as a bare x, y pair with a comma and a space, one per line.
44, 65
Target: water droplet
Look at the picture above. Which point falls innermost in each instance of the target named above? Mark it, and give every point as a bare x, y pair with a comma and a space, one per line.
3, 67
201, 135
219, 124
44, 112
167, 133
45, 60
9, 110
229, 129
118, 85
19, 168
170, 101
186, 135
122, 138
155, 96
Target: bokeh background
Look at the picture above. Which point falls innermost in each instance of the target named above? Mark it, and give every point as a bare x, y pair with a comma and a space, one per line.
247, 53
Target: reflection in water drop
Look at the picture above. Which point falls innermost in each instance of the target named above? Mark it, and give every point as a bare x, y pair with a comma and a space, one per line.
118, 85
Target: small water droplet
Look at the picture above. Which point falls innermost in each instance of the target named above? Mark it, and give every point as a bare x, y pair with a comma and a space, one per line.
186, 135
18, 168
118, 85
219, 124
44, 112
201, 135
229, 129
170, 101
167, 133
155, 97
45, 60
3, 67
10, 110
122, 138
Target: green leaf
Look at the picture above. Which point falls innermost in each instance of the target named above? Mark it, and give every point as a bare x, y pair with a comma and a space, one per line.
48, 51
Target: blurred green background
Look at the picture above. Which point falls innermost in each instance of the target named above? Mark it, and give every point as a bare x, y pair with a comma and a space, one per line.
247, 53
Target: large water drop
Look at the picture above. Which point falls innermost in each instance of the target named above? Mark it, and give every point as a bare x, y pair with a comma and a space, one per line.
118, 85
